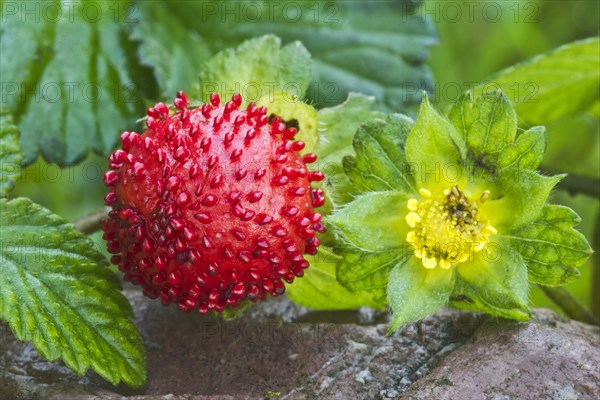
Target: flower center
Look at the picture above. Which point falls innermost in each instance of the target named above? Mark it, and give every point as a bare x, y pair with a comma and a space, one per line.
447, 229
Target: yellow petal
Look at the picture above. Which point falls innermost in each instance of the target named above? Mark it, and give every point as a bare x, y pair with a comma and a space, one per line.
430, 263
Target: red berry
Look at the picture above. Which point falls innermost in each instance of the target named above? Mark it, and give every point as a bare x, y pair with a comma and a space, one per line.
211, 205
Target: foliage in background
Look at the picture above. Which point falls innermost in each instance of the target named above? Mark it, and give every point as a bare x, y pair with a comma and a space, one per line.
84, 82
70, 84
551, 85
380, 55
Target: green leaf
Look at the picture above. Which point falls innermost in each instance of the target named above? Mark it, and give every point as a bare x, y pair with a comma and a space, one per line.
174, 53
550, 85
489, 128
487, 125
371, 234
495, 282
24, 39
58, 292
362, 270
432, 146
415, 291
10, 153
373, 221
257, 68
516, 196
526, 152
383, 55
380, 163
551, 247
73, 90
337, 126
319, 288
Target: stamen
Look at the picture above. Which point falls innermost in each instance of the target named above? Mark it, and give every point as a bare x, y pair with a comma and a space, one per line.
447, 229
455, 191
484, 196
425, 192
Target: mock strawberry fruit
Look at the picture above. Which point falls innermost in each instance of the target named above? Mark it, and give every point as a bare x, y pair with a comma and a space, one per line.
211, 205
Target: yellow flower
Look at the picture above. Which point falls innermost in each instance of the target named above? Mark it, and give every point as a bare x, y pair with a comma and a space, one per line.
447, 227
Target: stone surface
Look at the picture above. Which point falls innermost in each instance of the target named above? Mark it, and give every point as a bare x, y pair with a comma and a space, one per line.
548, 358
282, 351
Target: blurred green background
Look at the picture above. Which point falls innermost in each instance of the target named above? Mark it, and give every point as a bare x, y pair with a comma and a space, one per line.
477, 38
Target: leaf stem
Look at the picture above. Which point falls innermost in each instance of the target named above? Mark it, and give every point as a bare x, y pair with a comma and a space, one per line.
565, 300
596, 272
91, 222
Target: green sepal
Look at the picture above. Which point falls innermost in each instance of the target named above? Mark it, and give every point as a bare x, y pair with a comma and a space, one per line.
516, 196
371, 233
414, 291
487, 125
551, 247
380, 163
432, 146
373, 221
495, 282
362, 270
319, 289
292, 110
231, 314
10, 152
526, 152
